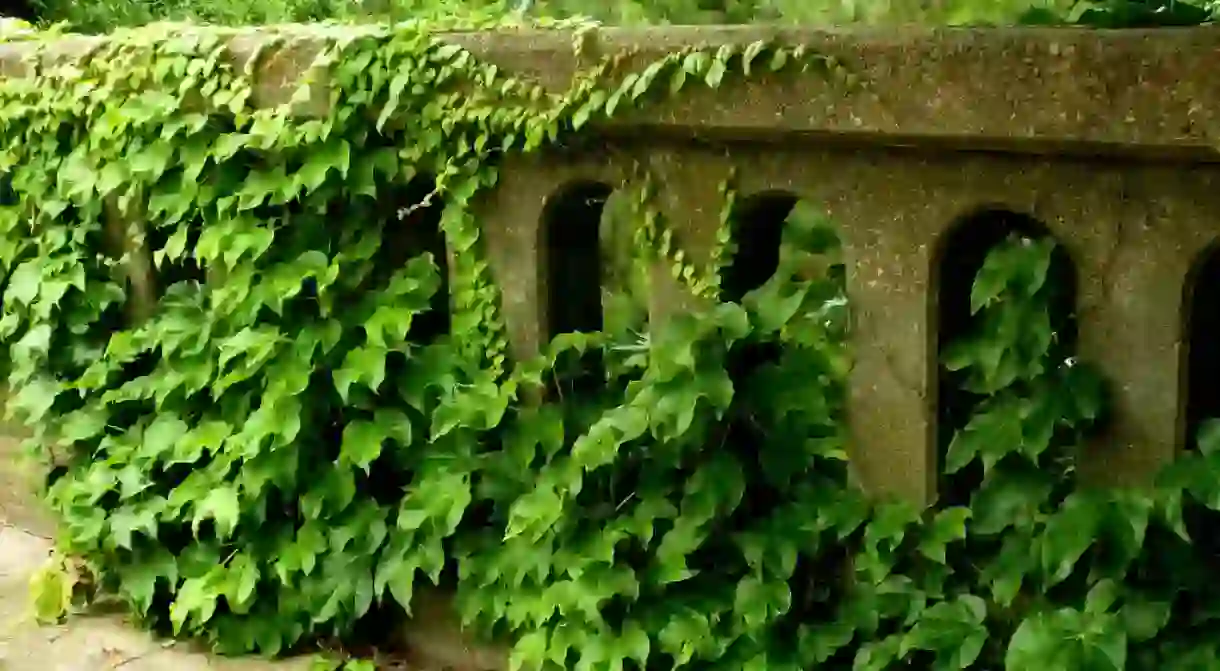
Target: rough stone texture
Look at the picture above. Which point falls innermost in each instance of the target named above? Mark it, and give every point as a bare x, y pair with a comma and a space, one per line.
1108, 138
436, 642
1134, 229
941, 123
1049, 90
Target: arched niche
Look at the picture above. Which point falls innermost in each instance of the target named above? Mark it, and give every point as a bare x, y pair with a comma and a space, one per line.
767, 225
956, 260
1201, 337
756, 226
572, 258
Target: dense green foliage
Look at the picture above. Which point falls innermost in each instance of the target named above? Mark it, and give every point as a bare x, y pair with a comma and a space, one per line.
297, 437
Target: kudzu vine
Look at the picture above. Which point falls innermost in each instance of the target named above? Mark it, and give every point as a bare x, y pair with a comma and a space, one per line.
286, 444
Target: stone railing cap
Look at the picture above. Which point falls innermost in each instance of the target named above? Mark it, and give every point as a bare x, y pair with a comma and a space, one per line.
1061, 90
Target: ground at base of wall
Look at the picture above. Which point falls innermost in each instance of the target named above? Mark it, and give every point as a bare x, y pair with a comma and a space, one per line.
93, 643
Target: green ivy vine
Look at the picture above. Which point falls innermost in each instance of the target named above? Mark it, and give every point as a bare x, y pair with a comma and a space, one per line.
284, 444
289, 441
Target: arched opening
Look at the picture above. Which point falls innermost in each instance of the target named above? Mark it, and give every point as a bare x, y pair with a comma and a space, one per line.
1202, 336
1201, 381
757, 229
572, 258
777, 230
959, 257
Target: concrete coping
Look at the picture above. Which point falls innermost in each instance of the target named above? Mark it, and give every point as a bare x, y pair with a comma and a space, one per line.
1031, 90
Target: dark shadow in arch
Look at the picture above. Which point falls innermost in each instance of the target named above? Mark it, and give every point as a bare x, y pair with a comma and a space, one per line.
413, 227
957, 258
1201, 333
570, 270
410, 217
1200, 380
760, 224
757, 226
571, 258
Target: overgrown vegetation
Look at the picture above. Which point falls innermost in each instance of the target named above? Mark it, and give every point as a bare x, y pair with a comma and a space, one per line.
315, 420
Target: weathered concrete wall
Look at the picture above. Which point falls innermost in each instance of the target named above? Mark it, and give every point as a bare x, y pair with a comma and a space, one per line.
1107, 138
1047, 90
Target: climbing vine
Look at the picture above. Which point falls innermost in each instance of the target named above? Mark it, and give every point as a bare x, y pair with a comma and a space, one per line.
272, 412
268, 438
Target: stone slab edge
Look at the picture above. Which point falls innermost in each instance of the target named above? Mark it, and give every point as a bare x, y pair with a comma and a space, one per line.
1031, 90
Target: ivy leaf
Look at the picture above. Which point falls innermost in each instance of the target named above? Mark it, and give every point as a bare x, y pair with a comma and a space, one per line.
530, 652
595, 654
991, 279
1126, 525
948, 526
1101, 597
396, 572
1018, 557
332, 155
1009, 498
758, 601
51, 593
1108, 645
992, 432
128, 520
34, 399
23, 283
877, 655
365, 365
1066, 640
196, 599
83, 425
206, 437
1069, 533
362, 443
954, 630
242, 579
223, 507
751, 52
684, 635
139, 577
1209, 437
635, 643
1034, 646
1143, 618
301, 553
715, 73
539, 509
891, 523
162, 436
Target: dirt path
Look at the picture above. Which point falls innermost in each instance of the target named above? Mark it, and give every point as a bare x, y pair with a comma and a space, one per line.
85, 643
94, 643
